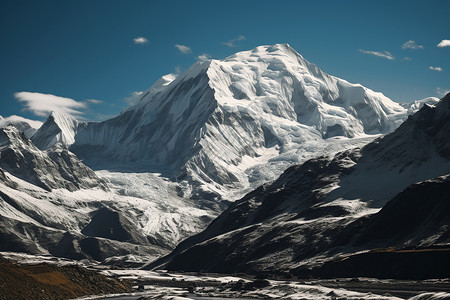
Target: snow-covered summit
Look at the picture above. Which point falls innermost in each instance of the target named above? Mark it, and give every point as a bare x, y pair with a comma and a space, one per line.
278, 81
58, 128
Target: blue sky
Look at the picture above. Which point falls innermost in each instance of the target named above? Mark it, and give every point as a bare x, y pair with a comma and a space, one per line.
85, 53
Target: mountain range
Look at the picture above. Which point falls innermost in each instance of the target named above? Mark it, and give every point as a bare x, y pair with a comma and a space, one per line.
312, 158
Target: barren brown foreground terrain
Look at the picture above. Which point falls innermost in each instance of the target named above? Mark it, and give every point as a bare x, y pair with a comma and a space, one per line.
44, 281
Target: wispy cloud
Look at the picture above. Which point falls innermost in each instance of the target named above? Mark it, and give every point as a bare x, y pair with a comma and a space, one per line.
133, 98
439, 69
411, 45
140, 40
14, 119
203, 57
43, 104
444, 43
442, 92
93, 101
407, 58
183, 49
232, 43
383, 54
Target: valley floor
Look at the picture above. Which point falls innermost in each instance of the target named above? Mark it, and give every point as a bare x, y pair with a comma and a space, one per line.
164, 285
47, 277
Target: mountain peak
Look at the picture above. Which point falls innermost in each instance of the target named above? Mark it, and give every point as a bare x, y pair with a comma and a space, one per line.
279, 81
266, 52
58, 128
61, 117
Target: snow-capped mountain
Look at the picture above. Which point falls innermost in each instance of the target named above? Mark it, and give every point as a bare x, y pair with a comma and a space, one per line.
325, 207
219, 123
213, 133
27, 126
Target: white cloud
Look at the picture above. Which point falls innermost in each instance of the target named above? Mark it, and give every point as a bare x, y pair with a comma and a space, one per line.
444, 43
442, 92
133, 98
16, 119
384, 54
439, 69
93, 101
183, 49
140, 40
411, 45
407, 58
177, 70
232, 43
203, 57
43, 104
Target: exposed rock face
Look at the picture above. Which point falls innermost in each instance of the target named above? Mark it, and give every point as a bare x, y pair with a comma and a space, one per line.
110, 224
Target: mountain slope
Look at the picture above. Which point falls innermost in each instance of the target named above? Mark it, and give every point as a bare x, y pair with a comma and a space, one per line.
419, 215
302, 219
411, 230
54, 168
